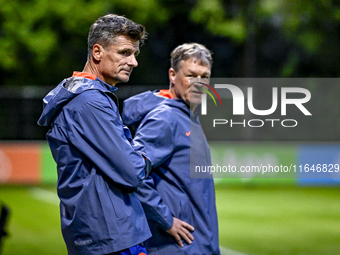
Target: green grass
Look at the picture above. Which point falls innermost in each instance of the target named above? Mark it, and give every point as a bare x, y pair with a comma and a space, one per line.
34, 225
279, 220
258, 220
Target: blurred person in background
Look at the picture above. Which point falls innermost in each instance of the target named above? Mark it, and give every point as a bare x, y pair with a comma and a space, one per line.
181, 210
98, 167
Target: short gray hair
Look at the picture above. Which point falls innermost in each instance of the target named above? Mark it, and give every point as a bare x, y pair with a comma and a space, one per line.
105, 29
190, 50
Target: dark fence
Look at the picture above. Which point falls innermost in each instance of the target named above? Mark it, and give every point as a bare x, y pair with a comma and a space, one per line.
21, 106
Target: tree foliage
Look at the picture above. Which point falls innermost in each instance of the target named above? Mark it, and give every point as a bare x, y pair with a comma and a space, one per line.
45, 38
310, 28
42, 40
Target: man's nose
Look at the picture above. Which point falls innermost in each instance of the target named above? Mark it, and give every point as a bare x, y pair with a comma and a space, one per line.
132, 61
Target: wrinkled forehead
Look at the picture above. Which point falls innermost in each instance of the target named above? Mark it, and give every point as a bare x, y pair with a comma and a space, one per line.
195, 60
125, 42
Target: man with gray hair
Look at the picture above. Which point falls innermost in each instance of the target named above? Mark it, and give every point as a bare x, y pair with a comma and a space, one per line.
181, 210
99, 169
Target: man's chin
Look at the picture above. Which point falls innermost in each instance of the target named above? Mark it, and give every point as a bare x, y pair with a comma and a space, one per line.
195, 102
122, 79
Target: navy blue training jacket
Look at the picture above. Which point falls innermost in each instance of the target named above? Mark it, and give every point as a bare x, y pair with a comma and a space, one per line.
98, 168
166, 131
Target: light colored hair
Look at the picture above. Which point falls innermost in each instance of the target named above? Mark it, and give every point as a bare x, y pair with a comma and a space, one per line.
194, 51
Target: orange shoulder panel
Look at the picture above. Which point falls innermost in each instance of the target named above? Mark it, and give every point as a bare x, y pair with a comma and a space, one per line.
84, 75
165, 93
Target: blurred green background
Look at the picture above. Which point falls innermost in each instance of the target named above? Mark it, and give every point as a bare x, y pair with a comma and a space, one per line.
44, 41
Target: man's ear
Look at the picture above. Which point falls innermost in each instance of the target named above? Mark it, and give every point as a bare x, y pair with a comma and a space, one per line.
172, 75
97, 52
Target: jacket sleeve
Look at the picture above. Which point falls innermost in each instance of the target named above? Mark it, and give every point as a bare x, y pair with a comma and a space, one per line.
154, 136
154, 208
97, 131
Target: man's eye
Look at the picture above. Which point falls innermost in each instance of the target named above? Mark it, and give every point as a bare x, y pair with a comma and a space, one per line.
125, 53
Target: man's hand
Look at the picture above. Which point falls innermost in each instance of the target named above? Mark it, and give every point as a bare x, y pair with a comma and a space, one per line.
179, 230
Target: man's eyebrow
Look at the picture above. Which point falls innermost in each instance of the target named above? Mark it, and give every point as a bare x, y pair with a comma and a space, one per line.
194, 72
129, 49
